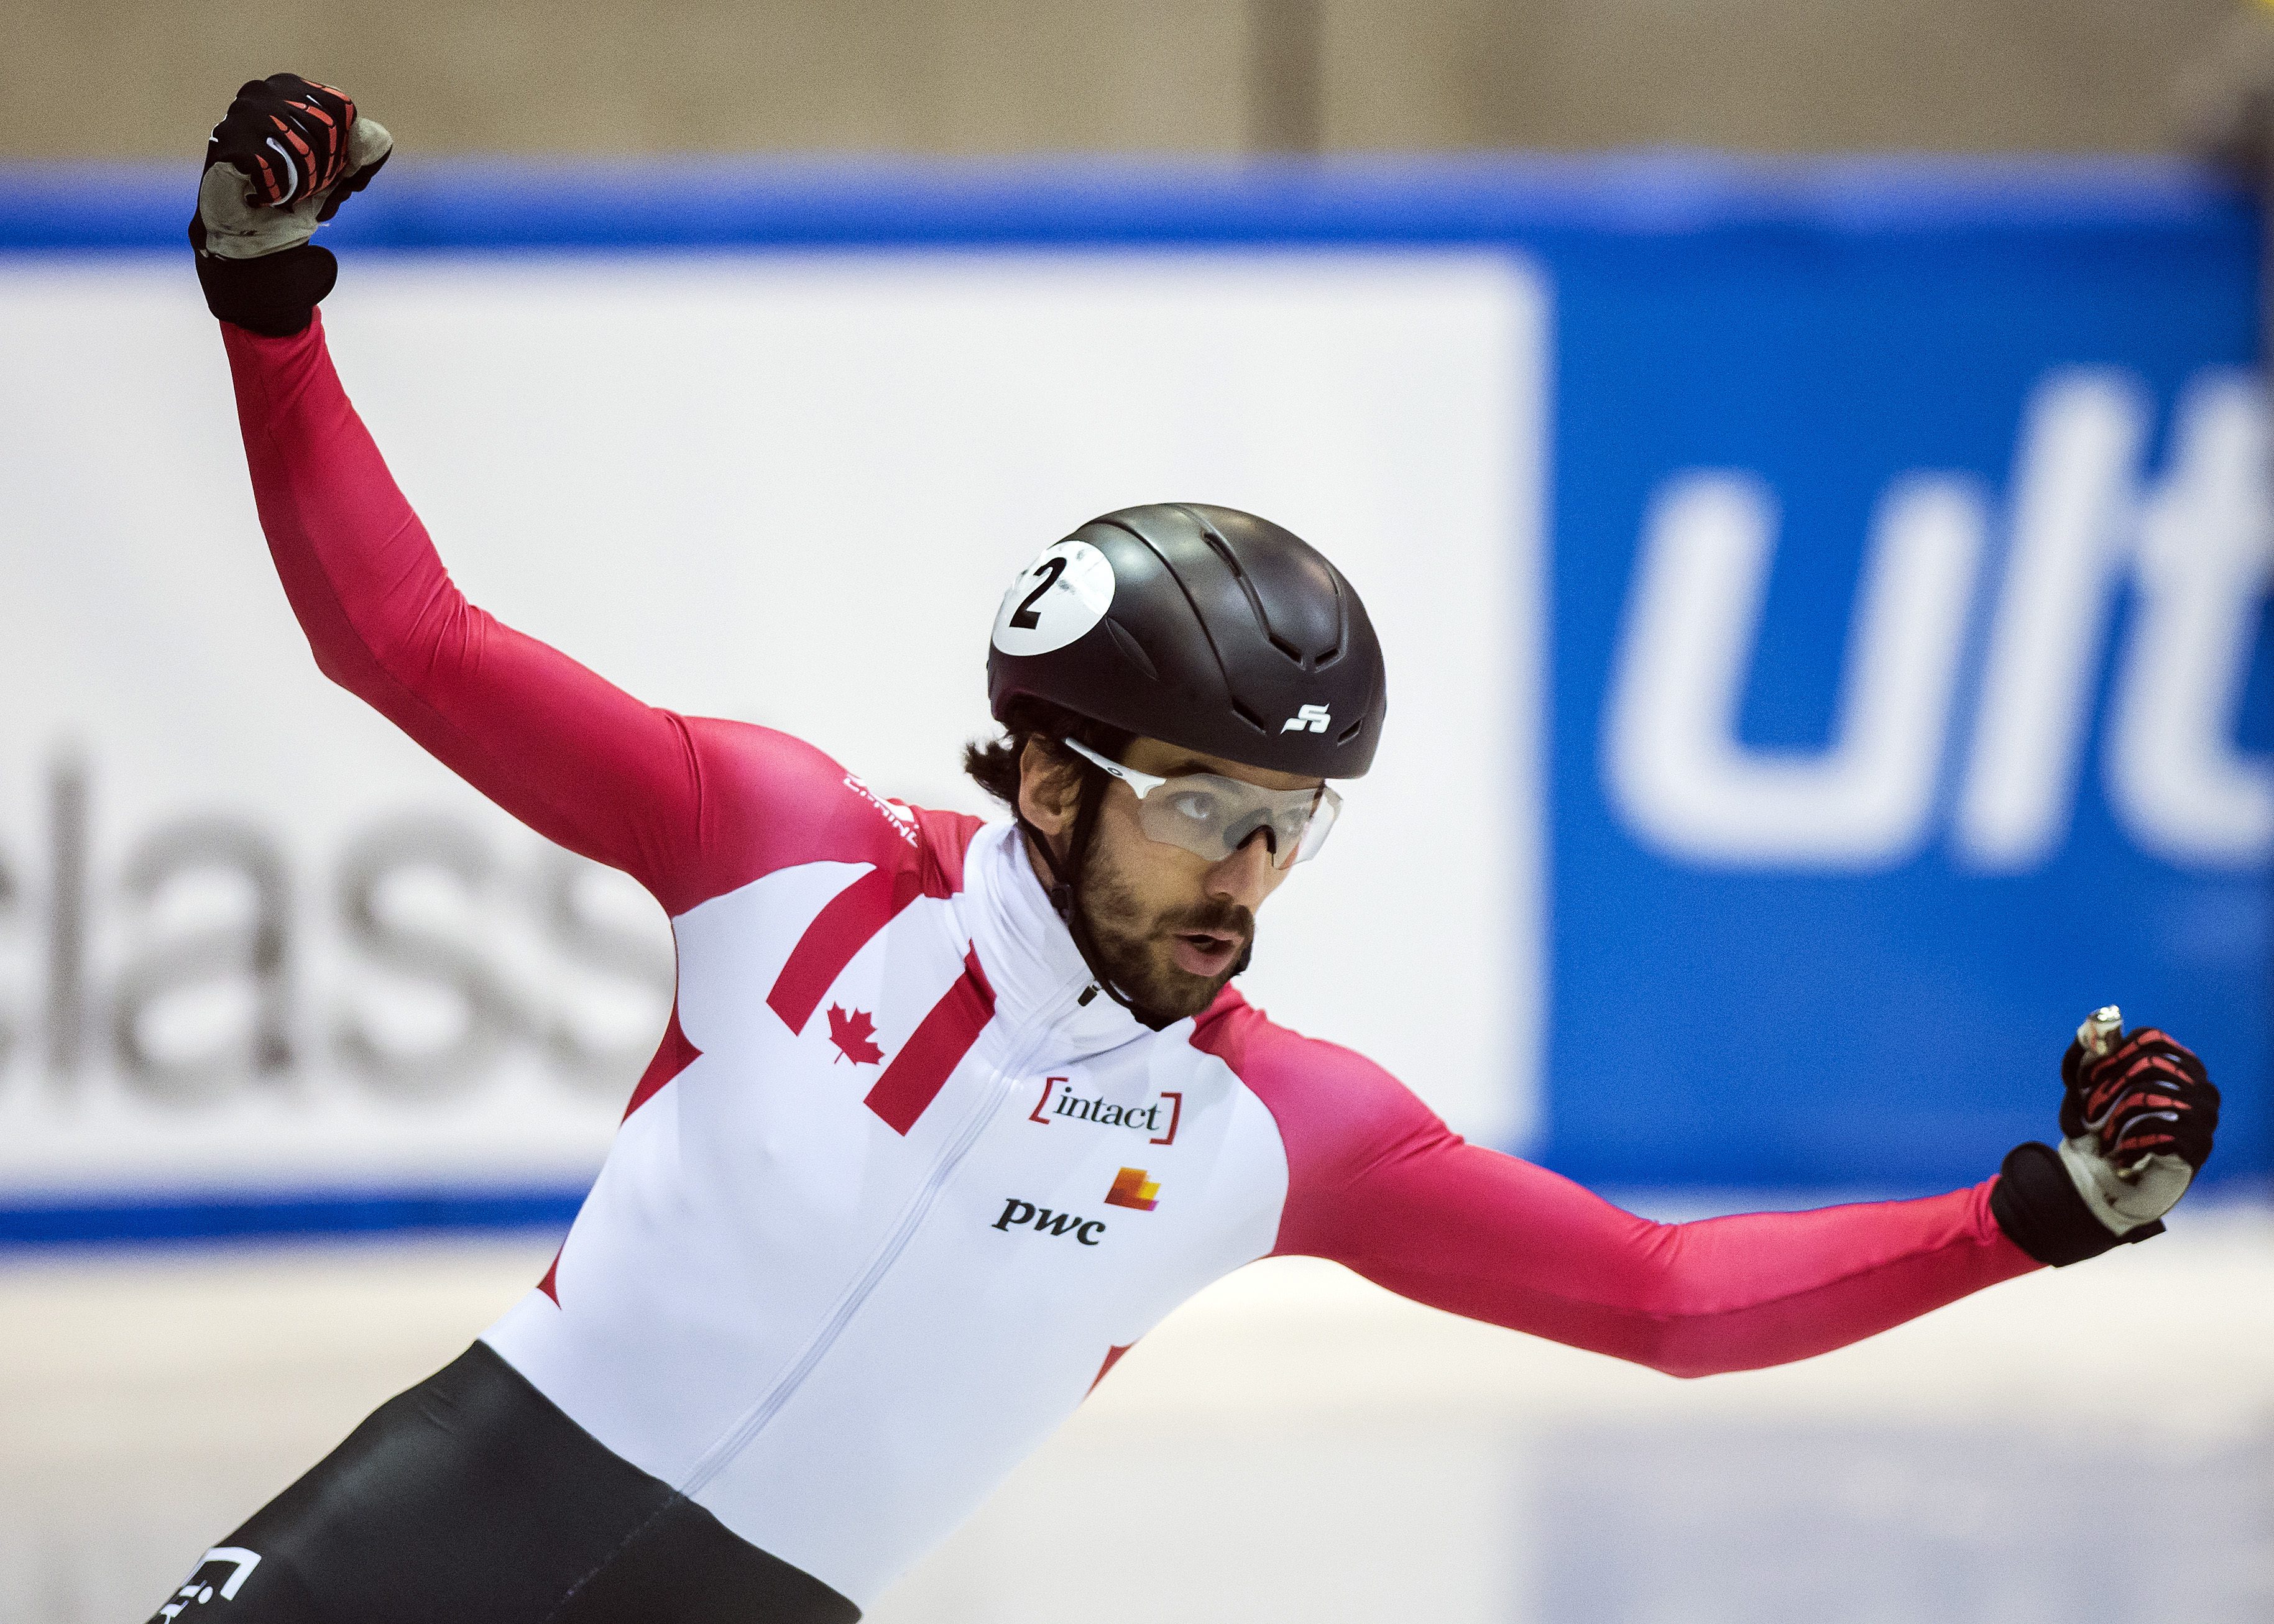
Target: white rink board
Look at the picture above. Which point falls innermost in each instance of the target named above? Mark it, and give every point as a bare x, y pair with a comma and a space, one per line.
1295, 1446
783, 488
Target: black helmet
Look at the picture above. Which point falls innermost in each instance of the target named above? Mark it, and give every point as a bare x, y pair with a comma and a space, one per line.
1201, 627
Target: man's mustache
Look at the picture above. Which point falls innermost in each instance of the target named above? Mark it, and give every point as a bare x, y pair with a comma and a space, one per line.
1224, 918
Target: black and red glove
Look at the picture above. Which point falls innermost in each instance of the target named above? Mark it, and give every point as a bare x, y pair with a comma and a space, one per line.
2146, 1100
289, 137
282, 161
2137, 1121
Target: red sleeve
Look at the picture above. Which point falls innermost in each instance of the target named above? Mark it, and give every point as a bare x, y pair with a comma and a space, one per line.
691, 808
1376, 1182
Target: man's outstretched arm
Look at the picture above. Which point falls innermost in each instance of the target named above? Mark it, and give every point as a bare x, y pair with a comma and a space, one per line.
1487, 1235
1376, 1182
568, 753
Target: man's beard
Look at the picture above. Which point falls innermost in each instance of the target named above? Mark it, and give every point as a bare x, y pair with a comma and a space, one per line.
1133, 951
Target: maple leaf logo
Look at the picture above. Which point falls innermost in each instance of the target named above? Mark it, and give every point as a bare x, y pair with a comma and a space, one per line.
851, 1035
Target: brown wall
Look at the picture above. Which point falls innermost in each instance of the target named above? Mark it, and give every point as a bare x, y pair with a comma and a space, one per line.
1194, 76
1772, 75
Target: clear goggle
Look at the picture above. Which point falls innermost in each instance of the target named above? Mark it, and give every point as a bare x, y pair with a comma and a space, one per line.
1214, 817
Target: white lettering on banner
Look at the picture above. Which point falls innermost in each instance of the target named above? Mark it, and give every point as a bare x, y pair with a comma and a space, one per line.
2174, 777
214, 975
1671, 751
2081, 445
227, 961
2197, 548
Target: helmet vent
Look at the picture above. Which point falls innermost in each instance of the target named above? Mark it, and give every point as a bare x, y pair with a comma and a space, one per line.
1222, 550
1333, 651
1351, 732
1250, 717
1131, 647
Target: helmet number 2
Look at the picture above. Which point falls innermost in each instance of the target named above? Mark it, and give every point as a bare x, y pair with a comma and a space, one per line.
1024, 617
1055, 600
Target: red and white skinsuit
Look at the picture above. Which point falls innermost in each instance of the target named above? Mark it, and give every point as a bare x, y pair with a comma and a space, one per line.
834, 1296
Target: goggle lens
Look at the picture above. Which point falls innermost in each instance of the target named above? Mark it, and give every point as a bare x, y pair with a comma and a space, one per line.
1213, 816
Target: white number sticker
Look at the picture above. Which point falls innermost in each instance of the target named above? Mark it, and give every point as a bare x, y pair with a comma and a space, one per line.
1056, 600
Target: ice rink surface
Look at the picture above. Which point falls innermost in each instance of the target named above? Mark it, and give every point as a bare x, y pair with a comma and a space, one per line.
1295, 1445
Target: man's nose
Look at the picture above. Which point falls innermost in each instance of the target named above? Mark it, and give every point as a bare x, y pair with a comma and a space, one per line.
1244, 877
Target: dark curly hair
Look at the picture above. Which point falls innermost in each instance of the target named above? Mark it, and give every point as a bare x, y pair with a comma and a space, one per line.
994, 765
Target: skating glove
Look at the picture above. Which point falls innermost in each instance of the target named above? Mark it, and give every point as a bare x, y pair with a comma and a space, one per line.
2137, 1120
282, 161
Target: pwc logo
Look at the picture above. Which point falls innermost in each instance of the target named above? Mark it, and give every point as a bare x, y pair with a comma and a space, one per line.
1025, 1214
1131, 1188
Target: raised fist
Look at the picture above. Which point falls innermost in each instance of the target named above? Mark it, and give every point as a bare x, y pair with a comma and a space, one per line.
281, 162
2137, 1122
2137, 1117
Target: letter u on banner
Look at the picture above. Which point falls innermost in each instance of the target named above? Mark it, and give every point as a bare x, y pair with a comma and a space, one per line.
1671, 758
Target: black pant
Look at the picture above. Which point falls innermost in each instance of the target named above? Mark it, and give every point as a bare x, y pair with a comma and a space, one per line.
472, 1497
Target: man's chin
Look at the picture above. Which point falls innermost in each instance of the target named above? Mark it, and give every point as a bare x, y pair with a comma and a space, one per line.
1192, 996
1169, 990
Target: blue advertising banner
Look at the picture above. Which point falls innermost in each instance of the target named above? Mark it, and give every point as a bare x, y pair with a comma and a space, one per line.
1912, 693
1904, 655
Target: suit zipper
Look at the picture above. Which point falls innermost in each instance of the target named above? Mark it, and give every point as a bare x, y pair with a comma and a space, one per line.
754, 1420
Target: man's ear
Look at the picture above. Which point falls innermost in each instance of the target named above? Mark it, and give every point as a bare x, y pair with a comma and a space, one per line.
1049, 789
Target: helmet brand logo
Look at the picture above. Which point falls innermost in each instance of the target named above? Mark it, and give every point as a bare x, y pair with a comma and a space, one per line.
1310, 718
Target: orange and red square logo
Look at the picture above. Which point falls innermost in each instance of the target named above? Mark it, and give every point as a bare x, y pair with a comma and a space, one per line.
1131, 1188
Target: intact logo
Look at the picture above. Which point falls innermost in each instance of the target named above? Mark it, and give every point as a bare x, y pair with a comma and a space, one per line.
1310, 718
1131, 1188
1159, 1121
1018, 1214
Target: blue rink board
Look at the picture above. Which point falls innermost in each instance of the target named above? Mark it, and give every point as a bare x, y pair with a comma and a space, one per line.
1819, 334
